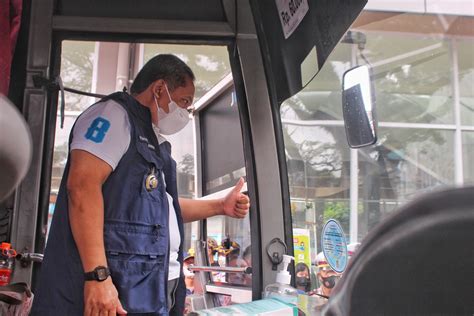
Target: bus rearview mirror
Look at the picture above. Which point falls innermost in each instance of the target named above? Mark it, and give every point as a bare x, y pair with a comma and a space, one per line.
358, 107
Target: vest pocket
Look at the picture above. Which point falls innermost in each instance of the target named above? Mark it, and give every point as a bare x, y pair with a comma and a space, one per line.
135, 238
136, 255
155, 166
140, 282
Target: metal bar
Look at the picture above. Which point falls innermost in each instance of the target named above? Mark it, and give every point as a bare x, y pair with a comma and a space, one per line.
354, 196
215, 91
312, 122
27, 196
28, 257
418, 125
250, 168
123, 66
267, 171
238, 295
141, 26
413, 53
458, 158
87, 94
245, 270
197, 159
380, 124
354, 179
202, 278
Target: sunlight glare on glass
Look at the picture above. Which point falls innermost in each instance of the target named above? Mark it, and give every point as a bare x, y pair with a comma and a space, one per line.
360, 76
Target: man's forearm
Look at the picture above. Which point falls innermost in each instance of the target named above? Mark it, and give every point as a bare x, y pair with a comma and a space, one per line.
194, 210
86, 217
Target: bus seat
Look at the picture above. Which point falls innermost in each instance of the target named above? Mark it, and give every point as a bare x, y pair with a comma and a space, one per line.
420, 261
15, 147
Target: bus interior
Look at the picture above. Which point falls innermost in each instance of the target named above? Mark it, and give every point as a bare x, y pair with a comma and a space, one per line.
276, 104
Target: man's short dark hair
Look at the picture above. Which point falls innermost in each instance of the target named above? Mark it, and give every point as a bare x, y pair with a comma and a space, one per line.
164, 66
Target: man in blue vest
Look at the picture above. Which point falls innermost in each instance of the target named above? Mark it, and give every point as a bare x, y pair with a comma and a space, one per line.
115, 240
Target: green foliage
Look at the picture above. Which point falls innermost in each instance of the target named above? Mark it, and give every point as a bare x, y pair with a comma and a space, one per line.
77, 63
338, 211
209, 63
186, 165
60, 155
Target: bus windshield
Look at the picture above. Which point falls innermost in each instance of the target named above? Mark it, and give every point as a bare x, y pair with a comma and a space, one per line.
423, 72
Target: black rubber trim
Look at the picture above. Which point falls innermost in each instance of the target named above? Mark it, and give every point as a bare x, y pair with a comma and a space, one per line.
256, 236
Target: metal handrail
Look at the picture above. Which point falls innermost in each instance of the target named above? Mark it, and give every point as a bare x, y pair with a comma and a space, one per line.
245, 270
30, 257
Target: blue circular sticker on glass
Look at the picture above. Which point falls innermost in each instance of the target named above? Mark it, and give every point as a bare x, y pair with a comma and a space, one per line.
334, 245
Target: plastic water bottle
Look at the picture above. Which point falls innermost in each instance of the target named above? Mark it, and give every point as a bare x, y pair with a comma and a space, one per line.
7, 262
282, 290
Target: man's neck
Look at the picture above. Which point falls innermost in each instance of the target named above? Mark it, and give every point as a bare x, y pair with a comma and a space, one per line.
147, 101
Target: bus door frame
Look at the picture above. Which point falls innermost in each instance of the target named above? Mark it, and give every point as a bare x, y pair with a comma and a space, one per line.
261, 128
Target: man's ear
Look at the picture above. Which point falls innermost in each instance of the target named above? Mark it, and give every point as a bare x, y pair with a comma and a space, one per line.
157, 87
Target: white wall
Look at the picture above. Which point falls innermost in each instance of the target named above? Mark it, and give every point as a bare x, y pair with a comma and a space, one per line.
396, 5
458, 7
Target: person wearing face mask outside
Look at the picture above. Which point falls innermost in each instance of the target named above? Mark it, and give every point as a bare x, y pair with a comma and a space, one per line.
327, 277
115, 240
303, 281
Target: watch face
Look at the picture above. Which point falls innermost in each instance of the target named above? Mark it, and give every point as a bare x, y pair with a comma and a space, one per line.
102, 274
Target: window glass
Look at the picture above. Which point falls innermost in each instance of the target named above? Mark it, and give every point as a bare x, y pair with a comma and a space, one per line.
411, 57
318, 162
223, 164
77, 70
404, 163
465, 49
468, 157
222, 153
229, 245
412, 77
320, 98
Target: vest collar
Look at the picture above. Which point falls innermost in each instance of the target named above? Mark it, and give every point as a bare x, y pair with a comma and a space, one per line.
138, 109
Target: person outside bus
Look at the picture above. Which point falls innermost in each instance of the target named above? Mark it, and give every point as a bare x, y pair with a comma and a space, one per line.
303, 277
115, 240
327, 277
188, 274
241, 262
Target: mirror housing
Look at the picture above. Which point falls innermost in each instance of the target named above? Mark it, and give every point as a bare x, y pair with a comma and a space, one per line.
358, 107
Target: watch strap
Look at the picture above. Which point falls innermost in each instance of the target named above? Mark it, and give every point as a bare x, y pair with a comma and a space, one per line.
100, 274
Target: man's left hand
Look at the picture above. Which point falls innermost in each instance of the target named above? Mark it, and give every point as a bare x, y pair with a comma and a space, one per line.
236, 204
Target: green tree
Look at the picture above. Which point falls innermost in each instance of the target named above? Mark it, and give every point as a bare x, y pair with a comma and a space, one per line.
338, 211
209, 63
186, 165
77, 63
60, 155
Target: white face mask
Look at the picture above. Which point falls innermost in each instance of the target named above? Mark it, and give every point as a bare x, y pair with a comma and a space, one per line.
173, 121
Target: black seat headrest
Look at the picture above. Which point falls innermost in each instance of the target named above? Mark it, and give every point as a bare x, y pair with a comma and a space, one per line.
420, 261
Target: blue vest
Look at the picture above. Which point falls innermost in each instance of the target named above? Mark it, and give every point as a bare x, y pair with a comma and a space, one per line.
136, 230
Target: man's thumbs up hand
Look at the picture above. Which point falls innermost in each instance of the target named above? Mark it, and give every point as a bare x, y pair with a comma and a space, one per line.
236, 204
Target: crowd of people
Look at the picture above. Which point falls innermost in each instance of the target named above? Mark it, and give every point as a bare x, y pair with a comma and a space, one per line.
316, 281
226, 254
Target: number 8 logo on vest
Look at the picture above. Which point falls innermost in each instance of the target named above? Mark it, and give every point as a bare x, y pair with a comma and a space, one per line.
96, 132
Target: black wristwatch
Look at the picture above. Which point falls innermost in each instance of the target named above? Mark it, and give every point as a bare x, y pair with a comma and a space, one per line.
100, 274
